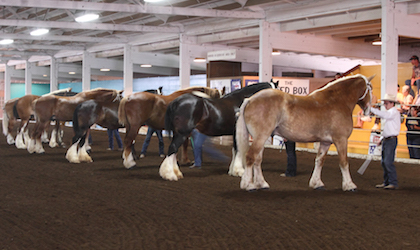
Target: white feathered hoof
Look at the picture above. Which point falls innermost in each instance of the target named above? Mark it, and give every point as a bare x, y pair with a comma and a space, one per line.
31, 146
10, 139
72, 155
166, 170
129, 161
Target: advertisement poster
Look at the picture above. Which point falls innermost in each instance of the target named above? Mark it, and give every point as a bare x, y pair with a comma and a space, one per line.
235, 84
294, 86
219, 84
250, 82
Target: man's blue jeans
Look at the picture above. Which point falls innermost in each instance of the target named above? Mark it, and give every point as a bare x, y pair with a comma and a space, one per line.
387, 162
146, 142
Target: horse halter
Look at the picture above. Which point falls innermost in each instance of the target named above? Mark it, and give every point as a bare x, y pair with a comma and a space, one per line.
368, 89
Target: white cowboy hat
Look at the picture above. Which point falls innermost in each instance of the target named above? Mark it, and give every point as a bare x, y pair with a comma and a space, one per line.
389, 97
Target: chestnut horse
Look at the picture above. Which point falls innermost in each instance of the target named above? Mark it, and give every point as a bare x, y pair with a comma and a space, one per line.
323, 116
144, 108
212, 117
85, 115
21, 108
61, 108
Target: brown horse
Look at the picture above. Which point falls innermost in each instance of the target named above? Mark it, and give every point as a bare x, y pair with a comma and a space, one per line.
61, 108
143, 108
21, 108
323, 116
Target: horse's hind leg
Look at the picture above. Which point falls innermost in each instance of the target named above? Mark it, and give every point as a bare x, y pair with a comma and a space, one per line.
20, 141
315, 182
183, 156
169, 169
253, 178
127, 155
348, 184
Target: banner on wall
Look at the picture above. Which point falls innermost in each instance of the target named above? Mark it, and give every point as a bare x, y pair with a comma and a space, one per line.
250, 82
219, 84
294, 86
235, 84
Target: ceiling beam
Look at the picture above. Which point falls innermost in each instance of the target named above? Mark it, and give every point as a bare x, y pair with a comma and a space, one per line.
87, 26
132, 8
65, 38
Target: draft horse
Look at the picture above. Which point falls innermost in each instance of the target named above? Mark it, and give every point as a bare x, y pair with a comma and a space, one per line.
323, 116
144, 108
85, 115
21, 108
212, 117
61, 108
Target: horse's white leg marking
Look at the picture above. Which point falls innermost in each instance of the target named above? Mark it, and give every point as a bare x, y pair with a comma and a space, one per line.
31, 146
83, 155
177, 171
71, 154
53, 140
315, 181
26, 138
166, 170
246, 181
129, 161
19, 141
348, 184
237, 165
259, 180
10, 139
44, 137
39, 149
22, 138
232, 163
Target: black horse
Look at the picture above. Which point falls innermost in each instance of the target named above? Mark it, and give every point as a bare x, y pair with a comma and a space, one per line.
85, 115
213, 117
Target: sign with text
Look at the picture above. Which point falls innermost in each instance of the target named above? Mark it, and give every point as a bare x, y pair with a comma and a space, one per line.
221, 55
294, 86
219, 84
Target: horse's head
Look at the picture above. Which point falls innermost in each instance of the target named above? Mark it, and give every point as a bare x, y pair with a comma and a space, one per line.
366, 98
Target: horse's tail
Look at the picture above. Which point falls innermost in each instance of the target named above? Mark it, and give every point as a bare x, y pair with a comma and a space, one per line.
76, 118
122, 116
15, 112
242, 134
169, 117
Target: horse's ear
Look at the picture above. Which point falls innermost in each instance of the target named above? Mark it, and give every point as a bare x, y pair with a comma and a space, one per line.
224, 90
370, 78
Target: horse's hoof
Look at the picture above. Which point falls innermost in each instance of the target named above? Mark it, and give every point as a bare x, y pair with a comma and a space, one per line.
354, 190
252, 190
320, 188
132, 167
265, 188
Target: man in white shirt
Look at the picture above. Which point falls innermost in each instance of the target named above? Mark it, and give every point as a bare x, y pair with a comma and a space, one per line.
391, 130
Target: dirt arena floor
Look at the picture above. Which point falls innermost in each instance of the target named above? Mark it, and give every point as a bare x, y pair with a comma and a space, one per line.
48, 203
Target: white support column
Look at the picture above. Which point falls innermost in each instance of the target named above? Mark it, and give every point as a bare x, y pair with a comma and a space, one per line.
389, 49
86, 70
184, 62
7, 82
265, 61
53, 74
28, 78
128, 70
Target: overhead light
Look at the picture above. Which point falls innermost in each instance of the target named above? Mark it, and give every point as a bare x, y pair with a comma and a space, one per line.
44, 75
105, 70
146, 65
275, 52
39, 32
152, 1
377, 42
6, 41
200, 59
72, 73
87, 18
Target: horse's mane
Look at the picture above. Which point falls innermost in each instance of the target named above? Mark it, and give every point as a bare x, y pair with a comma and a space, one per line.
339, 80
246, 88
